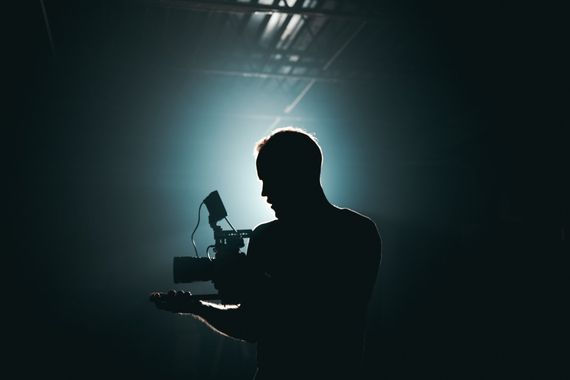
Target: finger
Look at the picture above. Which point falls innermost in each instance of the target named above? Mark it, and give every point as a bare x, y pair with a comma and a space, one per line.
182, 295
155, 296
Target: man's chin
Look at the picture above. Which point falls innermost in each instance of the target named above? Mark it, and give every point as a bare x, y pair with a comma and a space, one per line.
277, 212
282, 214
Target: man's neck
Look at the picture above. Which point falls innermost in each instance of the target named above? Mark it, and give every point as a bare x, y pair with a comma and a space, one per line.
312, 203
316, 200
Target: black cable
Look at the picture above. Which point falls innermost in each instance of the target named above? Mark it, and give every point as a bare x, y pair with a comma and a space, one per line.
226, 218
195, 228
208, 251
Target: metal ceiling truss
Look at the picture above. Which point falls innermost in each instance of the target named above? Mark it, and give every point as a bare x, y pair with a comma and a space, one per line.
276, 7
263, 58
287, 56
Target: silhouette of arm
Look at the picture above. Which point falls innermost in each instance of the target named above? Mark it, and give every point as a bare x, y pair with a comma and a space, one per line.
235, 321
238, 322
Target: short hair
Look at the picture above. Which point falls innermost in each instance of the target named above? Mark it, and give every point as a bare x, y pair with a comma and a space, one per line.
292, 150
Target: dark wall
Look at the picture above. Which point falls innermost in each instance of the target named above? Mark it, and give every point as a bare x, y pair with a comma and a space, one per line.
468, 112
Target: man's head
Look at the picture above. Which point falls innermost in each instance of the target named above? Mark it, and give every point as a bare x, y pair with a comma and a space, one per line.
289, 165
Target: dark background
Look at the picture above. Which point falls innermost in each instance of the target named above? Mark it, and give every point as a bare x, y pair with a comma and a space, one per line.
459, 144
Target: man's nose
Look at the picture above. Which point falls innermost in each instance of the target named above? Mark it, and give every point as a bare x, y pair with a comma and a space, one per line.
267, 191
263, 190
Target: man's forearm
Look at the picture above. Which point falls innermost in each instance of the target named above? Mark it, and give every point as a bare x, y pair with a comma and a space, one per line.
231, 321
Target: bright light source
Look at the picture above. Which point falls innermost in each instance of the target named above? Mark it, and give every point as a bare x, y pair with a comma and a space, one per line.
275, 22
289, 3
290, 32
310, 4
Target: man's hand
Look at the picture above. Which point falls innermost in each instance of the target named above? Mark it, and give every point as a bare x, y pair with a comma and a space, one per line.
176, 301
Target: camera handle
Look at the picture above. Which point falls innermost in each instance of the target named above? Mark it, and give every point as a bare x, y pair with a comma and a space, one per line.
205, 297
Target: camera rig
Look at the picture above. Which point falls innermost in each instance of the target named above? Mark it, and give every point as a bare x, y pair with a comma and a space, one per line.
228, 260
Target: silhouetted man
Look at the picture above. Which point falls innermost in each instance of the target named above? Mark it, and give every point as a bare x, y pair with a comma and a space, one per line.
311, 272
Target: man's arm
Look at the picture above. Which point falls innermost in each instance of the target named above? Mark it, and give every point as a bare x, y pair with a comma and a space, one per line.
246, 320
237, 321
242, 322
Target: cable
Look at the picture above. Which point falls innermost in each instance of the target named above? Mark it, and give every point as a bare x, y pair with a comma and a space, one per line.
208, 251
195, 228
226, 218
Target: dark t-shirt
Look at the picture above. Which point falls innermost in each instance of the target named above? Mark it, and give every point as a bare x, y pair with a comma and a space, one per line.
319, 273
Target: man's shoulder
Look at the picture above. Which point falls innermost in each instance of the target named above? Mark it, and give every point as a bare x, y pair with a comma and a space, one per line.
341, 216
355, 217
358, 225
265, 228
263, 234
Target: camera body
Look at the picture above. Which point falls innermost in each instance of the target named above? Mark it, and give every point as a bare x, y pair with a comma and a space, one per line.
188, 269
228, 263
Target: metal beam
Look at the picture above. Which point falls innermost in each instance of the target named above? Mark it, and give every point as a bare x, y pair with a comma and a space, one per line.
262, 75
233, 73
235, 7
287, 57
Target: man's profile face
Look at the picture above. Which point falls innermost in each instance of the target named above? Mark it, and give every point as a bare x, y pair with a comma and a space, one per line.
282, 192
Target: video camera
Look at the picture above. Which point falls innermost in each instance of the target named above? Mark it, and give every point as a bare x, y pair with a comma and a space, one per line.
228, 261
